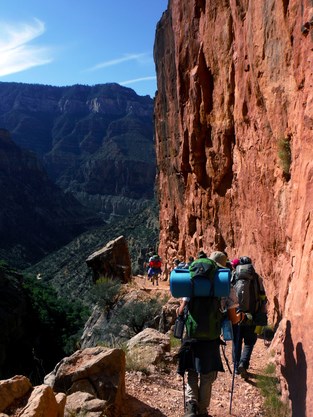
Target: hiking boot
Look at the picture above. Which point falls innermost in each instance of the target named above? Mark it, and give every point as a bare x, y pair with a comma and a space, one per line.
191, 409
242, 371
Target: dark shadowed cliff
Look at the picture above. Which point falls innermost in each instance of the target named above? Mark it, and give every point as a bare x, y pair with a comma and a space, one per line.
36, 216
234, 124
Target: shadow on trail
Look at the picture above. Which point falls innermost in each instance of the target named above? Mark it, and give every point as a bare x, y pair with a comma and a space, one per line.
295, 373
134, 407
271, 379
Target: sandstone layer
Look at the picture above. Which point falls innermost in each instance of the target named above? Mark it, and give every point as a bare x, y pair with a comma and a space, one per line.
234, 107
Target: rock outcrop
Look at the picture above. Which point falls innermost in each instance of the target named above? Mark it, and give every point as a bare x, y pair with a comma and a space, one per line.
99, 372
234, 121
112, 261
91, 382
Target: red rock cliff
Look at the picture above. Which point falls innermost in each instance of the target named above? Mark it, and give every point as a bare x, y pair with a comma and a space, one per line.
234, 101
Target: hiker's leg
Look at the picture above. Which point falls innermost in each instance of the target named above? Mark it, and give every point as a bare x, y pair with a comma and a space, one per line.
250, 338
205, 390
237, 344
192, 389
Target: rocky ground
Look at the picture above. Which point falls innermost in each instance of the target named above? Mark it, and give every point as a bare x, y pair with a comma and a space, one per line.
160, 394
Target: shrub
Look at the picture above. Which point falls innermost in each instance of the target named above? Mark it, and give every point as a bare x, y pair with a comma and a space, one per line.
104, 292
3, 264
134, 316
284, 154
269, 387
174, 342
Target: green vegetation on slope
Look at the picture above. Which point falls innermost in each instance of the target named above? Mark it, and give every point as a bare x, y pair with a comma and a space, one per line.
56, 322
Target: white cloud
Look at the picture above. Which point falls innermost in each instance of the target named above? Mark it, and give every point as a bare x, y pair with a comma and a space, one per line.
16, 54
140, 58
137, 80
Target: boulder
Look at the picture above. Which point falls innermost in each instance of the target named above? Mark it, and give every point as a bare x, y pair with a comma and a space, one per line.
60, 398
13, 389
97, 371
82, 402
148, 347
112, 261
42, 402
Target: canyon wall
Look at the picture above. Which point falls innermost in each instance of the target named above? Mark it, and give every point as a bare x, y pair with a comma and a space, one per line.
95, 142
234, 131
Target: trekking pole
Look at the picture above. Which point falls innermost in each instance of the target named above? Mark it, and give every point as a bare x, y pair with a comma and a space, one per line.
225, 357
184, 393
235, 365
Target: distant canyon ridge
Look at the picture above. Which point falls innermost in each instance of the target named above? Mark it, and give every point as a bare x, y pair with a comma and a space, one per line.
234, 129
96, 143
72, 159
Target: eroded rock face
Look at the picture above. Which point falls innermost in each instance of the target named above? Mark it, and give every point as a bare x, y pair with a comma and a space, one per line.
112, 261
234, 101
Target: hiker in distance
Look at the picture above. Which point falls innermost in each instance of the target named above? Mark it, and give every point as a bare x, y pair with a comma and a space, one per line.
200, 351
154, 270
251, 311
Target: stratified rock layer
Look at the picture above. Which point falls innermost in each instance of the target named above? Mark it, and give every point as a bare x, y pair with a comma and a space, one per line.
95, 142
234, 103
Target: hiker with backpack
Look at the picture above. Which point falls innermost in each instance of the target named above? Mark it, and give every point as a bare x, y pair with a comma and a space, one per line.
190, 261
155, 270
178, 264
250, 312
200, 351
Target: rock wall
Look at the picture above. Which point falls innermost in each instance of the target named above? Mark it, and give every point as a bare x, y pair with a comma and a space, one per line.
234, 107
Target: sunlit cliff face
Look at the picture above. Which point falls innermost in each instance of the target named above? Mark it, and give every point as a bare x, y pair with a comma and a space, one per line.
234, 121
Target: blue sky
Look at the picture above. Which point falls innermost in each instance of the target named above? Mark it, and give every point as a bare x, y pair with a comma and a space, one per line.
66, 42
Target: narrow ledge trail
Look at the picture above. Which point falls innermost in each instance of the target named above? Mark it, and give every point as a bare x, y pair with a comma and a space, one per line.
160, 394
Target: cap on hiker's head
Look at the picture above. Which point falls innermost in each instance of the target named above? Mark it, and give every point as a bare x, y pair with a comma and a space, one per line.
220, 258
191, 258
245, 260
202, 254
235, 262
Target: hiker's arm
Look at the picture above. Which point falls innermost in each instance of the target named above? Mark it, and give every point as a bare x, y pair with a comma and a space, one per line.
180, 309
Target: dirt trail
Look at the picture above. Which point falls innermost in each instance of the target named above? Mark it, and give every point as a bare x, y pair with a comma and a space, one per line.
161, 394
